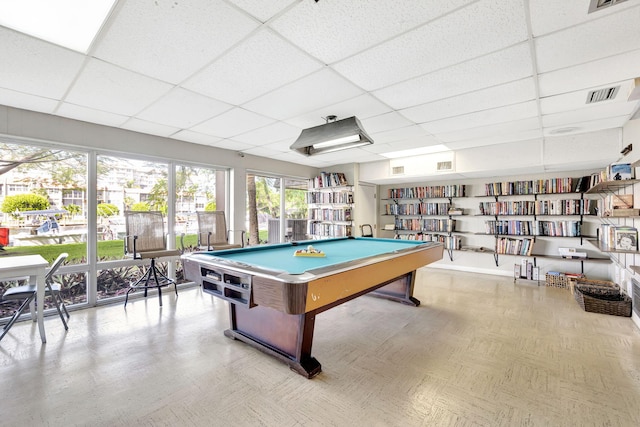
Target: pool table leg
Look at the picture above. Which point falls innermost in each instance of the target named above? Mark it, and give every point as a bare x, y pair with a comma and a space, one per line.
399, 289
287, 337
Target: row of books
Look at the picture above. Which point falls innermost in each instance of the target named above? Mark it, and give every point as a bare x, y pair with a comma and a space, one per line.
540, 186
329, 230
618, 237
330, 214
505, 245
328, 179
539, 207
449, 242
323, 197
444, 225
526, 270
427, 191
417, 208
534, 228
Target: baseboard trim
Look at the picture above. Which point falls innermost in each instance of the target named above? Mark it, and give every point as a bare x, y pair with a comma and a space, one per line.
492, 272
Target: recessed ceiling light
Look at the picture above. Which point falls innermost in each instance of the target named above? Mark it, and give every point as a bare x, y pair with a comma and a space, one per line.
415, 151
69, 23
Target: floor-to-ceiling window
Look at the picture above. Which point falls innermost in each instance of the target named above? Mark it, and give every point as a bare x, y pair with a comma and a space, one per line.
277, 209
55, 200
43, 210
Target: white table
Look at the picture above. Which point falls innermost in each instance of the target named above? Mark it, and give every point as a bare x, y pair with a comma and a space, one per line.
33, 266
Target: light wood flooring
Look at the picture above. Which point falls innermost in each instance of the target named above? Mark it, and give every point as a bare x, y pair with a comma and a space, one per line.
479, 351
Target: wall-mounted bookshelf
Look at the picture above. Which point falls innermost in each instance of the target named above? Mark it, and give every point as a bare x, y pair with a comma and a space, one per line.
418, 216
330, 206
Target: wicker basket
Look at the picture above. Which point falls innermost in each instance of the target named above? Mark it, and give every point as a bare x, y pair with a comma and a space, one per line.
559, 281
603, 299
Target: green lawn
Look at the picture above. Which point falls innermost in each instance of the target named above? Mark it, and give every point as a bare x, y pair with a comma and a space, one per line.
109, 249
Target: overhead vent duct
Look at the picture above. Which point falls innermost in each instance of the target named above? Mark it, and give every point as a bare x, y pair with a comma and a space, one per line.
596, 5
599, 95
334, 135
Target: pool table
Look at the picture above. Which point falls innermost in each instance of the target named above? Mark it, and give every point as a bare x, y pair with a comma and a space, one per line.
275, 296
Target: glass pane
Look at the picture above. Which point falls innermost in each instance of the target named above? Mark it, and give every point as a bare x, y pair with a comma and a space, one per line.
295, 193
195, 191
124, 184
43, 208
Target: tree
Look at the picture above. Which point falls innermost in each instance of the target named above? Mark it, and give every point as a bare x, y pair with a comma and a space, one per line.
73, 210
107, 209
24, 202
252, 208
158, 196
141, 207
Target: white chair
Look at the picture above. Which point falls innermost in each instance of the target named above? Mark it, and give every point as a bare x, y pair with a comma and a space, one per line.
27, 294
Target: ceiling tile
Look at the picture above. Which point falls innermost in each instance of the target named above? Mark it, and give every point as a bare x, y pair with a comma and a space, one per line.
170, 40
229, 144
497, 131
363, 107
468, 33
263, 10
483, 118
611, 35
182, 108
577, 100
195, 137
406, 144
483, 99
498, 138
90, 115
596, 73
595, 125
398, 134
490, 70
335, 29
149, 128
384, 122
26, 101
106, 87
548, 15
232, 123
36, 67
253, 68
594, 112
318, 90
268, 134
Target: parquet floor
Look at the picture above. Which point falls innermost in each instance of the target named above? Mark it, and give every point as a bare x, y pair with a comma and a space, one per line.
479, 351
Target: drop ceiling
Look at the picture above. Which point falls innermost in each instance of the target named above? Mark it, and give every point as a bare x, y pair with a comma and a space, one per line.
249, 75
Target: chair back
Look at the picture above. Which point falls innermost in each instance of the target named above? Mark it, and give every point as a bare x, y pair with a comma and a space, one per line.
55, 265
144, 232
212, 228
366, 230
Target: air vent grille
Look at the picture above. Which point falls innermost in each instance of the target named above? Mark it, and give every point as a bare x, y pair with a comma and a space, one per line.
636, 296
602, 94
397, 170
596, 5
444, 166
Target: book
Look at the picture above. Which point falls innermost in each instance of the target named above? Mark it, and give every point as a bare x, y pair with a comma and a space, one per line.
536, 273
626, 238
